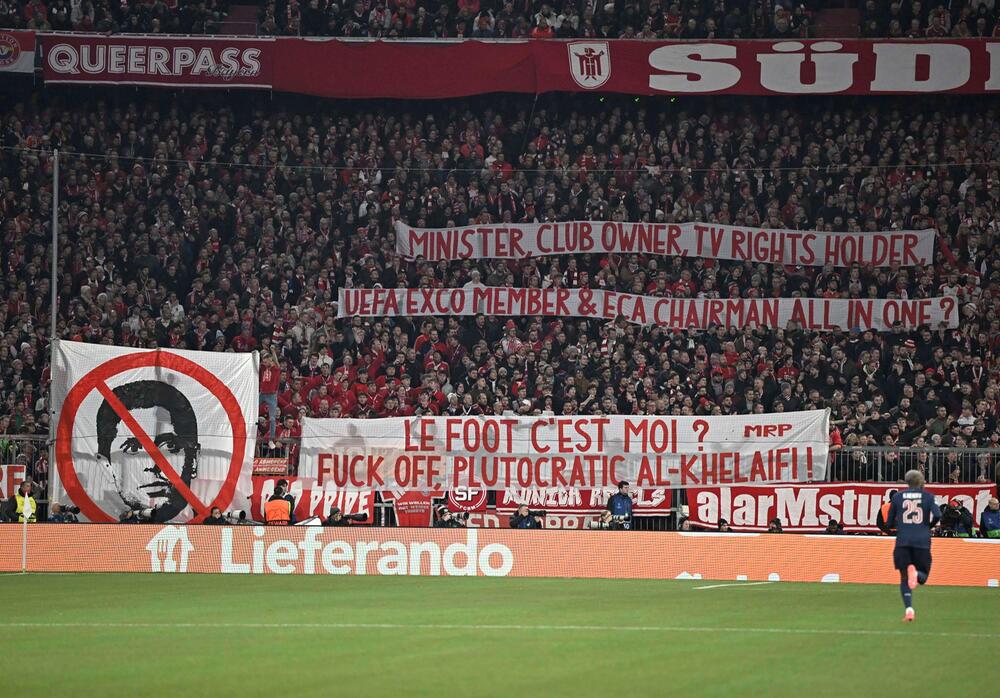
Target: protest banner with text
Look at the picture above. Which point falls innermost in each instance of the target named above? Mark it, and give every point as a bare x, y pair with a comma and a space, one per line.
439, 454
712, 241
674, 313
803, 508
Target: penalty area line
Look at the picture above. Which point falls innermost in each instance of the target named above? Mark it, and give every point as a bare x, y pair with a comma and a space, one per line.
507, 628
734, 584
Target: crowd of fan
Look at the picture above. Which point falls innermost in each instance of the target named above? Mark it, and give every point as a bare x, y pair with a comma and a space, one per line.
539, 19
932, 20
488, 19
217, 222
627, 19
131, 16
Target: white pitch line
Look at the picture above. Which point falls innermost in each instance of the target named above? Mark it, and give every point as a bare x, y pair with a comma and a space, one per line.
734, 584
507, 628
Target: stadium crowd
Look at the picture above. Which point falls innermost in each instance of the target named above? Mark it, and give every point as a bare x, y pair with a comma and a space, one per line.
135, 16
538, 19
223, 223
489, 19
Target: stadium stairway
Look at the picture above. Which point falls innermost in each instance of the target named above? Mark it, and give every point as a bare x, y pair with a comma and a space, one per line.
242, 20
839, 23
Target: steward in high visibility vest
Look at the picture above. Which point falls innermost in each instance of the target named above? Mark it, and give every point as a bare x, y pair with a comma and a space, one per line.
880, 522
883, 513
280, 508
277, 512
24, 494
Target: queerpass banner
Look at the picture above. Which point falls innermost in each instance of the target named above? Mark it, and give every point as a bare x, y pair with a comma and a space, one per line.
812, 507
712, 241
486, 552
353, 68
440, 454
672, 313
159, 60
165, 432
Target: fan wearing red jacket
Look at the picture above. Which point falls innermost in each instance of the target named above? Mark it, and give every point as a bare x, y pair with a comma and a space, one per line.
270, 379
288, 437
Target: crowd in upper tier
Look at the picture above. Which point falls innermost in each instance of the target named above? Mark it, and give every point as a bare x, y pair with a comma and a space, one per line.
221, 222
489, 19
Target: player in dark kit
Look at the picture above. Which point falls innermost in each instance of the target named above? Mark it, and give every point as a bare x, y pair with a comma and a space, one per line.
913, 514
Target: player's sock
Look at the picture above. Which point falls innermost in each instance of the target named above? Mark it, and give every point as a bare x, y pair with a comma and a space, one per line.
921, 577
904, 590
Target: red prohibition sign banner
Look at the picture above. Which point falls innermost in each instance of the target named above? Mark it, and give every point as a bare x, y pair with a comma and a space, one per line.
97, 380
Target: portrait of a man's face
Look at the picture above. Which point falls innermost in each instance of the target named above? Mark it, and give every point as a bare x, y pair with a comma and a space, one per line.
166, 416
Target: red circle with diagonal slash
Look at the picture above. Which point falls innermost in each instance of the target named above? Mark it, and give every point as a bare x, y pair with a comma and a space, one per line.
96, 380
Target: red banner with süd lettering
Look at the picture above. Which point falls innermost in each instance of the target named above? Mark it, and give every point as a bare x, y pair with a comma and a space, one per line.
440, 454
441, 69
712, 241
673, 313
812, 507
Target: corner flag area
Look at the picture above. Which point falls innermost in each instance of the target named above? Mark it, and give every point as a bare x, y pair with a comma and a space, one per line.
212, 635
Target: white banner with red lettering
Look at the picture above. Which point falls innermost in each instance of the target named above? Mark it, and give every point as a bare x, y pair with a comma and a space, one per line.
712, 241
812, 507
309, 499
673, 313
439, 454
11, 477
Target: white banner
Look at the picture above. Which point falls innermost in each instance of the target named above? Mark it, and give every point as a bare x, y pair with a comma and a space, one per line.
709, 240
576, 452
165, 434
673, 313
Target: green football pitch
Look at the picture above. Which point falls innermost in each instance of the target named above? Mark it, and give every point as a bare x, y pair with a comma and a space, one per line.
209, 635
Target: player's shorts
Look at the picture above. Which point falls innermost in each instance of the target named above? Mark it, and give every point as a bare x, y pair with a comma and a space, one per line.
905, 555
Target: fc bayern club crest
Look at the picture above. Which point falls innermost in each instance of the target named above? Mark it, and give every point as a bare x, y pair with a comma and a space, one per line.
10, 49
589, 63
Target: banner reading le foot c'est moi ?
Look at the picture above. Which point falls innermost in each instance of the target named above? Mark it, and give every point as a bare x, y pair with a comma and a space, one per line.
583, 452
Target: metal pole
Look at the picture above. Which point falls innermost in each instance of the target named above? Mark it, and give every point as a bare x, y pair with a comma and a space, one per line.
53, 310
24, 545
